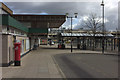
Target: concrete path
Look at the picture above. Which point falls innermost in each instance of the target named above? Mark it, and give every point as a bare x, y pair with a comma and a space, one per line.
88, 65
36, 64
40, 64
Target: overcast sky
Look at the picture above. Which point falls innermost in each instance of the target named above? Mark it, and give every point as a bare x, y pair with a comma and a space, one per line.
82, 8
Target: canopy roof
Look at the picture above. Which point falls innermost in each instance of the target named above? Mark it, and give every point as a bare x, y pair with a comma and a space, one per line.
83, 35
41, 21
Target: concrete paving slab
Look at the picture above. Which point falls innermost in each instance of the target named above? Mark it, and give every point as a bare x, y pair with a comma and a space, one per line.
36, 64
40, 64
88, 65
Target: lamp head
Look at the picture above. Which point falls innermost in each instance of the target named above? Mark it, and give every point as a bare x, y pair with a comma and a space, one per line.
102, 4
67, 15
75, 15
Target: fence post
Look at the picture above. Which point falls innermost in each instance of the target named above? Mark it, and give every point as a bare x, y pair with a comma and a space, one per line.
118, 46
111, 44
106, 44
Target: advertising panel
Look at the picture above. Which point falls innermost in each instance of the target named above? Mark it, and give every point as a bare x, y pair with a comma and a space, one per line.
27, 44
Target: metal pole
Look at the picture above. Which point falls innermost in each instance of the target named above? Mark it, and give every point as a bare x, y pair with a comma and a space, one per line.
118, 46
61, 36
103, 29
71, 26
48, 33
71, 34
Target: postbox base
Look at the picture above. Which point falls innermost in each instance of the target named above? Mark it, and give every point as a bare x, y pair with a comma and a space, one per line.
17, 63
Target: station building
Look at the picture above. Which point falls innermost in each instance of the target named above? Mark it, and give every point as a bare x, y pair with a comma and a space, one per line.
26, 29
30, 29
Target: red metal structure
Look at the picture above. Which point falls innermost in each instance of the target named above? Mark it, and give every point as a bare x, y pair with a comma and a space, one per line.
17, 54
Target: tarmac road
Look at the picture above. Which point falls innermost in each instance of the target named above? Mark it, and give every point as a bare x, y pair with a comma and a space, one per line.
88, 65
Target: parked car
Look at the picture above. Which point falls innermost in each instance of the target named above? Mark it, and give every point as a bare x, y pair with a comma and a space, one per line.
52, 43
61, 45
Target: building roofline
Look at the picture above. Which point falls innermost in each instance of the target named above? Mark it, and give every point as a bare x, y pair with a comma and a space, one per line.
34, 15
3, 6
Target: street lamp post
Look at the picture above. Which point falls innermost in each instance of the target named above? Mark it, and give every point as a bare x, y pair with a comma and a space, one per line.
48, 33
118, 40
71, 24
102, 4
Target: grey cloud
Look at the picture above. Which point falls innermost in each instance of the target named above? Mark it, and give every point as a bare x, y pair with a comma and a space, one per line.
53, 7
82, 8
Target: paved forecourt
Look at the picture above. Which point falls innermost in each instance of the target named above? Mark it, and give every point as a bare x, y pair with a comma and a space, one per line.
37, 64
88, 65
40, 63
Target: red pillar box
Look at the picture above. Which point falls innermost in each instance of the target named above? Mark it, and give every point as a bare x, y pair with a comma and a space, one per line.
17, 54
